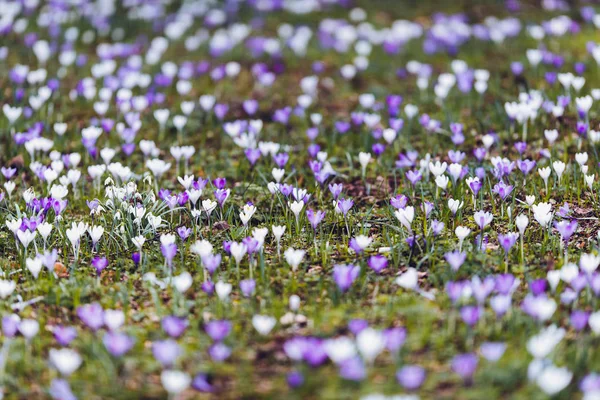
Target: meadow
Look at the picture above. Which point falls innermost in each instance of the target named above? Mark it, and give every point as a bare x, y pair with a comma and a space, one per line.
299, 199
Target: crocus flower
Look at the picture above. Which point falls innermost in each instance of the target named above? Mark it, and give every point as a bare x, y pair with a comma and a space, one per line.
295, 379
218, 330
117, 343
315, 217
64, 335
92, 315
60, 390
465, 365
99, 263
508, 241
247, 287
377, 263
455, 259
482, 219
219, 352
566, 229
166, 351
470, 314
411, 377
492, 351
353, 369
174, 326
344, 205
344, 275
202, 384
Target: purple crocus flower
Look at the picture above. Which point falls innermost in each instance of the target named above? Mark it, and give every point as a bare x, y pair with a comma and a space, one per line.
219, 352
169, 250
92, 315
221, 195
174, 326
465, 365
470, 314
314, 353
221, 110
378, 149
92, 205
357, 325
342, 126
427, 208
218, 330
64, 335
60, 390
247, 286
503, 190
564, 211
482, 289
315, 217
136, 258
455, 259
580, 282
407, 160
250, 106
117, 343
208, 287
201, 383
399, 201
166, 352
171, 201
211, 262
344, 275
282, 115
99, 263
590, 383
492, 351
313, 150
437, 227
508, 241
526, 166
377, 263
411, 377
252, 155
579, 319
8, 172
353, 369
566, 229
538, 286
354, 245
517, 68
336, 189
345, 205
413, 176
295, 379
163, 194
505, 283
475, 186
281, 159
520, 147
479, 153
394, 339
219, 182
10, 325
184, 232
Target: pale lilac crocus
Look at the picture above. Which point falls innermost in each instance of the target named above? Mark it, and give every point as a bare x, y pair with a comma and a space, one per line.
344, 275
